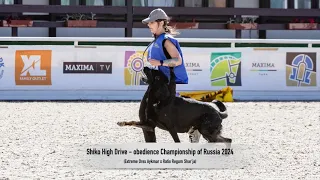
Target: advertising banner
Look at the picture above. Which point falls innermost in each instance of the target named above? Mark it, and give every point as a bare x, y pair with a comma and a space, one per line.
119, 68
207, 68
6, 68
60, 68
283, 69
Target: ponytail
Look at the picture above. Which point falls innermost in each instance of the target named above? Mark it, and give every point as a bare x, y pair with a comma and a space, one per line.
169, 29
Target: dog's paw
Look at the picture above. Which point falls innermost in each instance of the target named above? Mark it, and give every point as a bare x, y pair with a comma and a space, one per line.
121, 123
228, 149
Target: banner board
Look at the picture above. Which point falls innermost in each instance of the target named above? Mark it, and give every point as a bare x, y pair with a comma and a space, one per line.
272, 71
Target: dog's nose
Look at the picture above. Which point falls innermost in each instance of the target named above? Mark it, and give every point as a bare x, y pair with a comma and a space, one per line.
145, 80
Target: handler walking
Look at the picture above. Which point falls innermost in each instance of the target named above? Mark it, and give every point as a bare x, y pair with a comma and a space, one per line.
164, 52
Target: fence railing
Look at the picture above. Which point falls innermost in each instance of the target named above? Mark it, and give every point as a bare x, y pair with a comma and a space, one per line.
130, 17
76, 40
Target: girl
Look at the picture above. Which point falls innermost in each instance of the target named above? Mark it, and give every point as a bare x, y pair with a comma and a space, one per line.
164, 52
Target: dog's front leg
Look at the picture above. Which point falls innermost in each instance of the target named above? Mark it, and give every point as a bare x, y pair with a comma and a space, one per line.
174, 135
149, 136
226, 141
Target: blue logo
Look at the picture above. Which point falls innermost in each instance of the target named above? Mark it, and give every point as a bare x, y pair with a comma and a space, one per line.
1, 67
301, 69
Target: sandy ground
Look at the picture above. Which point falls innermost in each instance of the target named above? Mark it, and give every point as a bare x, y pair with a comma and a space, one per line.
37, 140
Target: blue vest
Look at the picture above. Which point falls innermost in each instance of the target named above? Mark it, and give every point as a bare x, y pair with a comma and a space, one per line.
156, 51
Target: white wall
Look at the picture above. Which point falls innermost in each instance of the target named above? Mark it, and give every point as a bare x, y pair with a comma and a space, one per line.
294, 34
35, 2
246, 3
34, 31
138, 32
192, 33
90, 32
5, 32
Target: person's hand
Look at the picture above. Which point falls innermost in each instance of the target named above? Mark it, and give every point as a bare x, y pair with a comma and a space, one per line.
154, 62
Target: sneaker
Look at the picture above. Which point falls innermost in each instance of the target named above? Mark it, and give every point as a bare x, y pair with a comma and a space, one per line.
194, 136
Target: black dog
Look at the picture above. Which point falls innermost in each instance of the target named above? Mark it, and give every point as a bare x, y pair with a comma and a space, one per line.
177, 114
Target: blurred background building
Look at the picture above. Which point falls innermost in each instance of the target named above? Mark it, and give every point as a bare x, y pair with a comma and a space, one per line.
265, 19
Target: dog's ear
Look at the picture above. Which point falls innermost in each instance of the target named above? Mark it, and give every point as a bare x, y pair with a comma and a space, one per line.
147, 71
166, 79
162, 77
172, 71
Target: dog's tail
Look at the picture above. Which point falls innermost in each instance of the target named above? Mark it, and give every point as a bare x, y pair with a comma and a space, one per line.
222, 108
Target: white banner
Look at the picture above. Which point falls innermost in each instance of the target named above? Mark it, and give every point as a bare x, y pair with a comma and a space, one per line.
162, 156
118, 68
61, 68
283, 69
247, 69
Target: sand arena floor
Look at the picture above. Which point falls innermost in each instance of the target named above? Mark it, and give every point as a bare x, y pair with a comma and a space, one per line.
37, 137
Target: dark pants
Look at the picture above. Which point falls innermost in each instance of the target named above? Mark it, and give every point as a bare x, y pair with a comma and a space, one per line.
148, 136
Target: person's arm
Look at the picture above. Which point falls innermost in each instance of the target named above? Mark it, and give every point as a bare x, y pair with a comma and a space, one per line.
175, 60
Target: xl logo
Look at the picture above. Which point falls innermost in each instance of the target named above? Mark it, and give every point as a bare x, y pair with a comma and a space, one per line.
33, 67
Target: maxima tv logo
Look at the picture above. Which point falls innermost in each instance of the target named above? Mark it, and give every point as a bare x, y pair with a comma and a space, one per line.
87, 67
